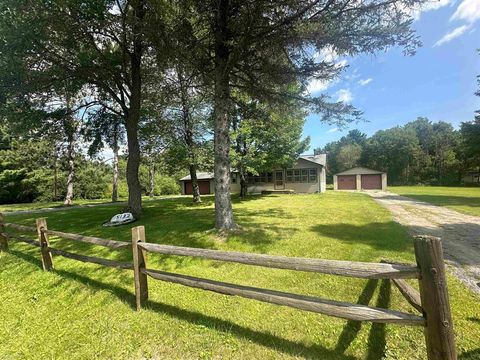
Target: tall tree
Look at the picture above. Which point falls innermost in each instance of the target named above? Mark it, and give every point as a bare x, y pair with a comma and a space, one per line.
100, 44
344, 153
349, 156
262, 47
265, 137
471, 136
105, 128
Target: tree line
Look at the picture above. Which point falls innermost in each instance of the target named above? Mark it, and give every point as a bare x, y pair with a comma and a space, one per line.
419, 152
176, 76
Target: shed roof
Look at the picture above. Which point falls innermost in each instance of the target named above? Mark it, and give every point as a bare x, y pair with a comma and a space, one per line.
360, 170
200, 176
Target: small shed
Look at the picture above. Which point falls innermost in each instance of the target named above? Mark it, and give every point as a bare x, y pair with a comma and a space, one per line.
360, 178
205, 183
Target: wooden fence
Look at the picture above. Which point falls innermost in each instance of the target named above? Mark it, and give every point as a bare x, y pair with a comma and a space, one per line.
432, 302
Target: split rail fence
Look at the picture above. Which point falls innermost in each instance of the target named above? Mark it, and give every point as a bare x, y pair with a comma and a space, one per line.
431, 302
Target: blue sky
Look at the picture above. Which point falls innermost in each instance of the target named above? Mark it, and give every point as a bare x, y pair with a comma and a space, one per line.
392, 89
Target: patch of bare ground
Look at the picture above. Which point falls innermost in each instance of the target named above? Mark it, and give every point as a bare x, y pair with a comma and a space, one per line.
460, 233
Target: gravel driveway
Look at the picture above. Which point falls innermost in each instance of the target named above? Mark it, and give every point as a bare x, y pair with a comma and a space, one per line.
460, 233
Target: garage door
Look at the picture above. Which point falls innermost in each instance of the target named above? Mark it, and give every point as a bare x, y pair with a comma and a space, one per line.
347, 182
370, 182
204, 187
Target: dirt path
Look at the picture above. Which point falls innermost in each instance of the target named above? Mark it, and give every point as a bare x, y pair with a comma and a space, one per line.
460, 233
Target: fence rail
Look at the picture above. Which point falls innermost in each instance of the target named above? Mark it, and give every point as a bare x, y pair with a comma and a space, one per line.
333, 267
339, 309
432, 301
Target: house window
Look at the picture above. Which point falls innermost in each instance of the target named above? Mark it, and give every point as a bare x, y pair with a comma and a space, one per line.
266, 177
289, 176
304, 175
301, 175
297, 176
234, 178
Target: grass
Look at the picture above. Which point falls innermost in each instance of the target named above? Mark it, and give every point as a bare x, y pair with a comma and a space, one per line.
462, 199
5, 208
81, 311
51, 204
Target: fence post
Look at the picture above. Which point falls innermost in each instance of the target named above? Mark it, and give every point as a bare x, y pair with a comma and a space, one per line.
3, 237
139, 263
439, 334
47, 262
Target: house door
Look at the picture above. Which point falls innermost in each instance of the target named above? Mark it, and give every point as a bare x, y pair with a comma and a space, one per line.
279, 180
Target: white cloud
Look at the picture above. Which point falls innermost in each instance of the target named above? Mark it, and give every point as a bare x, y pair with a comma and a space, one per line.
344, 95
435, 4
451, 35
468, 10
332, 130
341, 63
364, 82
326, 54
317, 85
329, 54
417, 10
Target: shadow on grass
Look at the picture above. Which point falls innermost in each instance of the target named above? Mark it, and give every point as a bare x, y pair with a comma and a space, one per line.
27, 257
262, 338
470, 355
474, 319
172, 222
377, 336
387, 236
351, 329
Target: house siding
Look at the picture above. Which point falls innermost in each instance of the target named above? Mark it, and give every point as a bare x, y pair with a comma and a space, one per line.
299, 187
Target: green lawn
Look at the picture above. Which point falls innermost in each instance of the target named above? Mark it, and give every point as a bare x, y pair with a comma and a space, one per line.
43, 205
462, 199
84, 311
5, 208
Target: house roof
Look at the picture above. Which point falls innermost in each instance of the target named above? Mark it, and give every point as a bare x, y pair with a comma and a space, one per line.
320, 159
359, 170
200, 176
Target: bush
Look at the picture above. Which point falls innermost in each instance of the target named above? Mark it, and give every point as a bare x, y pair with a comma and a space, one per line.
166, 185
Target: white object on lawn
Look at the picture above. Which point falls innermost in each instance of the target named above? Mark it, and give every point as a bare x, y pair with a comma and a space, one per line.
120, 219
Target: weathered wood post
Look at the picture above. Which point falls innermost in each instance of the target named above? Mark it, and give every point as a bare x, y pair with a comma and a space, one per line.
139, 263
439, 334
3, 236
47, 261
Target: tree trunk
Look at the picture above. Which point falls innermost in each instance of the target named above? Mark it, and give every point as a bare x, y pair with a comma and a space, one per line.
115, 173
188, 129
151, 175
223, 205
71, 170
133, 164
55, 174
195, 188
243, 184
133, 115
